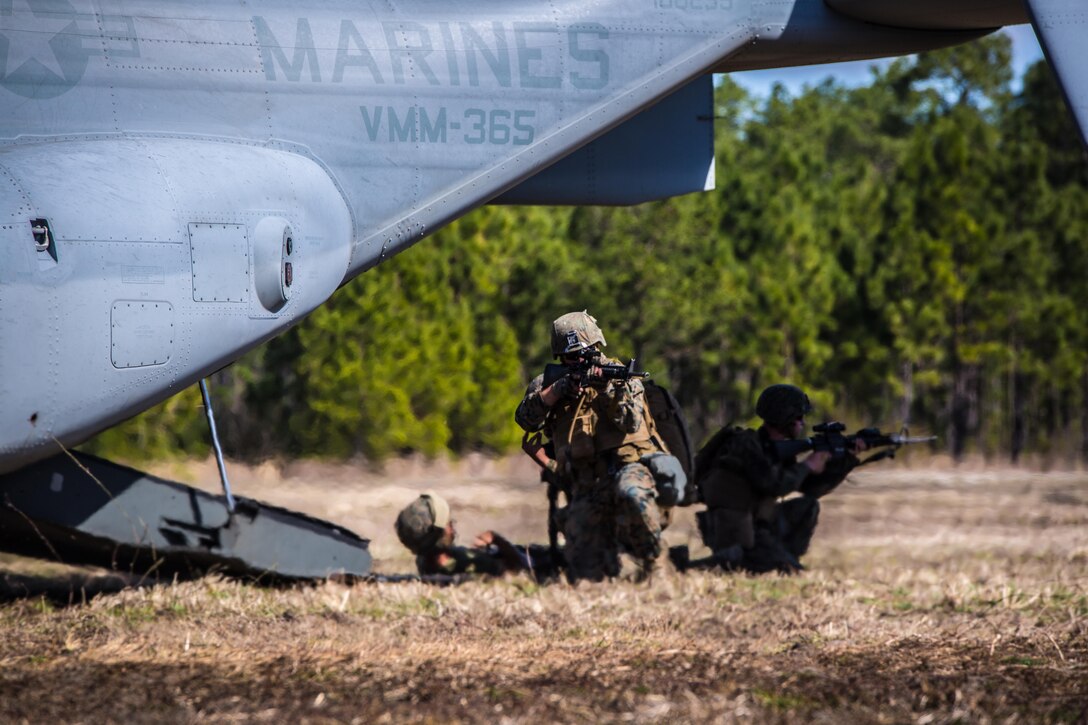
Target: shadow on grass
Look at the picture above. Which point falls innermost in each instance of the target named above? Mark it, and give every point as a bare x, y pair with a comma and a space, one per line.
64, 590
942, 684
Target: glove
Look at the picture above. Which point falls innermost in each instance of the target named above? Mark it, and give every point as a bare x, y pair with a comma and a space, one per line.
565, 387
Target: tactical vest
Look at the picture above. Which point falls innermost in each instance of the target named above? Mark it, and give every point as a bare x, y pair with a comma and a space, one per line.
584, 437
725, 468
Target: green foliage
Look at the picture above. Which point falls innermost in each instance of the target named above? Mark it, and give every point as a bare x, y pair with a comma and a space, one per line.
914, 250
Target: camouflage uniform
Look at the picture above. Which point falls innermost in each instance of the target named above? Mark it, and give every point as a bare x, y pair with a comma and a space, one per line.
741, 480
425, 528
536, 560
599, 436
459, 560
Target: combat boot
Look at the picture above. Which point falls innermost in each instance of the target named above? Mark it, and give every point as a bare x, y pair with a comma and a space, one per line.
651, 565
680, 557
729, 558
630, 568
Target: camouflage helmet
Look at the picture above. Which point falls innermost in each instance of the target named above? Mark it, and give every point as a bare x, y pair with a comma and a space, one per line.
575, 331
421, 524
780, 404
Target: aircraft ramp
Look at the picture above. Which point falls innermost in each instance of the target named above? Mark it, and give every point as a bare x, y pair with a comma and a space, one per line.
80, 509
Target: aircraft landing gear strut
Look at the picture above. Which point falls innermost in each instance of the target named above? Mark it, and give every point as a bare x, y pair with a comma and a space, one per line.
215, 444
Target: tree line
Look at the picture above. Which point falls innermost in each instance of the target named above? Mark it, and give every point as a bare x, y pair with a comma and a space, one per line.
911, 251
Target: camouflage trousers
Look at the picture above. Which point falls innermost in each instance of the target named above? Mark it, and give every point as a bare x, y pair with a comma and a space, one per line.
610, 515
638, 520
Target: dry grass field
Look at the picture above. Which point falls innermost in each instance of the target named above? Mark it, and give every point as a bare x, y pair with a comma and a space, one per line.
935, 595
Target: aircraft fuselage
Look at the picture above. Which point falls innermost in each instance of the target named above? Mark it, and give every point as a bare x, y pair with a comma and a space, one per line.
180, 181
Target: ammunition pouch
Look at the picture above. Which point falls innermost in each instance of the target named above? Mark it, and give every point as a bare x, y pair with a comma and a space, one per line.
581, 439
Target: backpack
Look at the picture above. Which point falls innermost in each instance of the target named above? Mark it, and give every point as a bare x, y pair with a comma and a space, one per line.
672, 429
713, 447
705, 459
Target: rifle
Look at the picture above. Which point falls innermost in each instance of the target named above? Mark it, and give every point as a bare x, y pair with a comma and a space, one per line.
554, 487
579, 372
541, 453
829, 437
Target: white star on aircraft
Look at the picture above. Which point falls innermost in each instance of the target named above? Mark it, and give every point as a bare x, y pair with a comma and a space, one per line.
29, 35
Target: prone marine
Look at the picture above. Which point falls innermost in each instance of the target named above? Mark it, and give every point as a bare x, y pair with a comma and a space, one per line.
426, 528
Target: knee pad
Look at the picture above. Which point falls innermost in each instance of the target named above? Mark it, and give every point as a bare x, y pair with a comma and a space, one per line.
670, 480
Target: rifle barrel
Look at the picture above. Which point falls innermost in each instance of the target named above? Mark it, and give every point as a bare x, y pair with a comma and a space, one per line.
910, 440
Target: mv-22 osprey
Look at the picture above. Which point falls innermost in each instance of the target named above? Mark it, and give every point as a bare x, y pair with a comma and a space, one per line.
181, 181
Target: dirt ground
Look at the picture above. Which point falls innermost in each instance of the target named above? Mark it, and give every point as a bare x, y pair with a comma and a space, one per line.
933, 595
